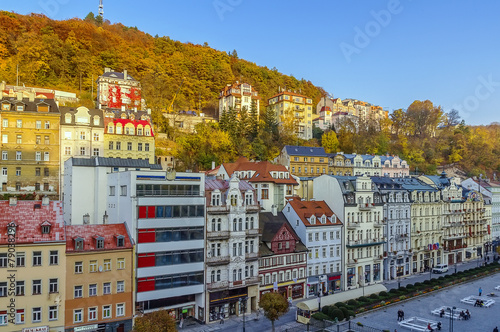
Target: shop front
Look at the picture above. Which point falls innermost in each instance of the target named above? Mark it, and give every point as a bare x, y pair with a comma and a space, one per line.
333, 282
225, 303
313, 286
287, 290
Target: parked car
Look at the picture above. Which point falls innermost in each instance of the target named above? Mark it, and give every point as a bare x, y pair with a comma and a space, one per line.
440, 268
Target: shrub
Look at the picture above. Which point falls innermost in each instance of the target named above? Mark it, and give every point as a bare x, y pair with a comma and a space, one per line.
417, 284
363, 299
352, 302
374, 296
331, 309
325, 309
345, 312
352, 314
402, 289
340, 304
410, 287
382, 293
320, 316
337, 313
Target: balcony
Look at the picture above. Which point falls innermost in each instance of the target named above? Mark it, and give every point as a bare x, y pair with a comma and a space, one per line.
253, 208
219, 285
366, 206
352, 261
252, 232
402, 237
353, 224
364, 242
379, 223
222, 235
251, 256
447, 237
218, 260
168, 192
218, 209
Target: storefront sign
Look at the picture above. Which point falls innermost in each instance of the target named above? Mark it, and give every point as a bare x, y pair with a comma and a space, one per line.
85, 328
36, 329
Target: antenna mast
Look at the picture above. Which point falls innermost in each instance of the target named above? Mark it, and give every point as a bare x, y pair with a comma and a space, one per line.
101, 8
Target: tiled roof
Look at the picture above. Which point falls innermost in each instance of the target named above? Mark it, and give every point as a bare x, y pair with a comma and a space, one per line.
89, 233
413, 184
294, 150
117, 75
270, 224
114, 162
262, 171
29, 217
290, 94
31, 106
305, 209
222, 185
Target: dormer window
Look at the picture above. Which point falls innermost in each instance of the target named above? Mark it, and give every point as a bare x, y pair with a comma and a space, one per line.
46, 227
5, 107
120, 241
313, 220
110, 128
248, 199
99, 242
79, 243
215, 199
323, 219
67, 118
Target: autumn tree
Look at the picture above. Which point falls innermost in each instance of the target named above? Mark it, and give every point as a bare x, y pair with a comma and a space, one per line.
274, 305
157, 321
330, 142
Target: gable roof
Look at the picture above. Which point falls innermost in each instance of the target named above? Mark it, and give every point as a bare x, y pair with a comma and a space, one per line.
29, 217
306, 209
114, 162
270, 224
262, 171
89, 234
223, 185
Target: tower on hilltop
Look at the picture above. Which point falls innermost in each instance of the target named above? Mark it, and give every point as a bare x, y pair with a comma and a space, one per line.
101, 8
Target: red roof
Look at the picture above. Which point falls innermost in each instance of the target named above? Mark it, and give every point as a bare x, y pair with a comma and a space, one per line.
262, 170
305, 209
144, 123
29, 217
89, 234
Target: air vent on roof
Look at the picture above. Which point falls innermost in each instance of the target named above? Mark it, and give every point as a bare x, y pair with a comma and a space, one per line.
38, 206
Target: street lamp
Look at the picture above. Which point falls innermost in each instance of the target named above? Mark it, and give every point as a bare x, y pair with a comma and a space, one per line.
456, 259
430, 270
451, 310
319, 301
243, 305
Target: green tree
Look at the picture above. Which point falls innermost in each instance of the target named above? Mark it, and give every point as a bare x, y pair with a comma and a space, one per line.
274, 305
157, 321
330, 142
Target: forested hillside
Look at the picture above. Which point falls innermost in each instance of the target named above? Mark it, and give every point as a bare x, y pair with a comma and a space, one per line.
58, 54
70, 54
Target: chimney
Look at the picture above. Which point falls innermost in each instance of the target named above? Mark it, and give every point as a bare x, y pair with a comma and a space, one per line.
274, 210
19, 96
31, 96
123, 108
213, 164
105, 218
12, 201
45, 200
125, 76
107, 70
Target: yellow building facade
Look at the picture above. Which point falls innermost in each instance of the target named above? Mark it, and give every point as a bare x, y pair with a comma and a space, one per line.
293, 107
32, 266
30, 155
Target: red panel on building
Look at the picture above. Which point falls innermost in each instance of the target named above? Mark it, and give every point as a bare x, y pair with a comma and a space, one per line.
146, 260
146, 235
151, 211
145, 284
142, 211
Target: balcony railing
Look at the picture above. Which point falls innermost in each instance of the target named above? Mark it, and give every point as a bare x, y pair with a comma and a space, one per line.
218, 285
252, 232
351, 224
364, 242
168, 192
379, 223
217, 209
218, 260
453, 236
366, 206
221, 235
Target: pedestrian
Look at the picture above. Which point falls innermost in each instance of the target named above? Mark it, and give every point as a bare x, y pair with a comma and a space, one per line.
181, 323
439, 326
399, 315
402, 315
429, 328
480, 291
495, 329
441, 313
222, 318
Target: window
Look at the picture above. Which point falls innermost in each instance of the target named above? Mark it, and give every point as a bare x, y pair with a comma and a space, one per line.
78, 267
37, 171
47, 140
5, 123
111, 145
19, 123
46, 156
77, 315
93, 266
146, 146
19, 139
3, 289
95, 152
93, 290
129, 146
53, 312
4, 155
99, 243
107, 265
106, 288
46, 171
38, 124
4, 170
82, 151
19, 288
67, 150
53, 286
18, 171
96, 137
120, 242
120, 263
5, 138
54, 257
120, 286
19, 155
93, 313
20, 316
118, 145
120, 309
20, 259
106, 311
139, 146
123, 190
3, 317
47, 124
265, 193
78, 292
111, 190
37, 258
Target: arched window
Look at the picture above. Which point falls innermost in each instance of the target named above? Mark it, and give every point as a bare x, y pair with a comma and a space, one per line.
235, 225
212, 276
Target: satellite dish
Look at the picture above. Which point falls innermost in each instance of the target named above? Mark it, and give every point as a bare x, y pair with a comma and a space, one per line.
100, 268
171, 173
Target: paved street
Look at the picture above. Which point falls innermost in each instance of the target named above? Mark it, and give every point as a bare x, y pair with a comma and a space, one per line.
483, 319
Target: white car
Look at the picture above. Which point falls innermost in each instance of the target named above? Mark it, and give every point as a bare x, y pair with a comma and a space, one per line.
440, 268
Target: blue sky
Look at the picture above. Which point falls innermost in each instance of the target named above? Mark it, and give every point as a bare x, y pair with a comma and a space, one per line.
389, 53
